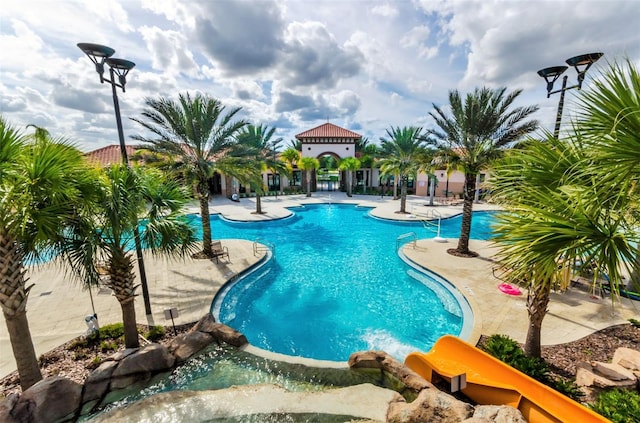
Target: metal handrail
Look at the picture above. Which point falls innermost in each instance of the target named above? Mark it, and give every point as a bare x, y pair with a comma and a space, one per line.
260, 244
405, 236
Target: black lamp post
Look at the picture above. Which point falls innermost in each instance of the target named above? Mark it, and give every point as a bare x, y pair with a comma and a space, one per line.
100, 55
581, 63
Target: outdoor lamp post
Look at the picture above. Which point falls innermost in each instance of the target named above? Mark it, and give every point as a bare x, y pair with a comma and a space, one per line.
581, 63
101, 55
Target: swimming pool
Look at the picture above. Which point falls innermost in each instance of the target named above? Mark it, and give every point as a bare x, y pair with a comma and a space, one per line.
337, 285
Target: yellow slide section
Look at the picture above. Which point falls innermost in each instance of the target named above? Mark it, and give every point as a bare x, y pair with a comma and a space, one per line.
490, 381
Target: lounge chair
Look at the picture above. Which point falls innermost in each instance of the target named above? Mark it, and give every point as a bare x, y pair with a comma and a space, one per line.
219, 251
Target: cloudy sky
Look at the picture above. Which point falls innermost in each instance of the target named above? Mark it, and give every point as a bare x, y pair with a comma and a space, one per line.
365, 65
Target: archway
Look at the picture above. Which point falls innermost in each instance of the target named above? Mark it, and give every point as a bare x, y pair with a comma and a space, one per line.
328, 177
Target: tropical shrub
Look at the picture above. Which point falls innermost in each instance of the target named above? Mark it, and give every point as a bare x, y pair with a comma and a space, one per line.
618, 405
155, 333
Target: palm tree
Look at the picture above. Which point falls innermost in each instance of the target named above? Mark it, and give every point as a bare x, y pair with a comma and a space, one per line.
126, 196
308, 164
290, 156
199, 134
609, 116
43, 183
256, 143
401, 153
555, 217
349, 165
477, 132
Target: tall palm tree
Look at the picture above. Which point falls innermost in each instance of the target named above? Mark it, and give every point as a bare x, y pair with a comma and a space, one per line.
609, 116
401, 152
43, 184
308, 164
478, 131
199, 134
126, 196
555, 217
256, 144
349, 165
290, 156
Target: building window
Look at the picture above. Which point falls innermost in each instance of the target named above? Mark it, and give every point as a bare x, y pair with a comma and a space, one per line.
296, 178
273, 182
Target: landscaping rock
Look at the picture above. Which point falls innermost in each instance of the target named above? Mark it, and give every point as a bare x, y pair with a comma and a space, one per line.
187, 344
587, 377
6, 406
204, 324
382, 360
141, 365
229, 335
431, 405
627, 358
498, 414
97, 383
49, 400
613, 371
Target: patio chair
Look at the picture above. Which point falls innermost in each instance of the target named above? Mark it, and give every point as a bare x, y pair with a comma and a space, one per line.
219, 251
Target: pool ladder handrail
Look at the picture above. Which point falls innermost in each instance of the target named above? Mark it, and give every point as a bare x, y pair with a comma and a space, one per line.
405, 236
260, 246
431, 219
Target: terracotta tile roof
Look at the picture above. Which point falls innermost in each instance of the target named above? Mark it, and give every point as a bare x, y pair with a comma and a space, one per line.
109, 155
328, 130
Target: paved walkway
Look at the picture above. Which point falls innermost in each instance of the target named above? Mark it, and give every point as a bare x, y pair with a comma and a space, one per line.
57, 306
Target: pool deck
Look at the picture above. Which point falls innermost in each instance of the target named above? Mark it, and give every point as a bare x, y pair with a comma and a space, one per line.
57, 305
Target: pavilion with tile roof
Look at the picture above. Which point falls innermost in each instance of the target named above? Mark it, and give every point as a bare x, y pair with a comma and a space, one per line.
109, 155
328, 139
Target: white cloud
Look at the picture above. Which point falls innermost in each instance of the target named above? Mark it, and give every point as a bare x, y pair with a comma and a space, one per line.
293, 64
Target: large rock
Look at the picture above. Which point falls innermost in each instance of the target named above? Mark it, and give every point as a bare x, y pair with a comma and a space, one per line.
613, 371
627, 358
6, 406
498, 414
586, 376
219, 331
185, 345
431, 405
49, 400
97, 383
382, 360
141, 365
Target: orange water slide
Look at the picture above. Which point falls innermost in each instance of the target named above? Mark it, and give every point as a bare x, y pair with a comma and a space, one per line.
490, 381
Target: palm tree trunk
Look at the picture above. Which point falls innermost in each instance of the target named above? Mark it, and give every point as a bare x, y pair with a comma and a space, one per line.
395, 187
203, 197
129, 323
349, 184
467, 213
13, 299
121, 281
23, 350
308, 173
537, 302
258, 204
403, 195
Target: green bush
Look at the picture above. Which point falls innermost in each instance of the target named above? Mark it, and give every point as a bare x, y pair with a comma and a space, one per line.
568, 388
112, 331
503, 348
155, 333
106, 346
618, 405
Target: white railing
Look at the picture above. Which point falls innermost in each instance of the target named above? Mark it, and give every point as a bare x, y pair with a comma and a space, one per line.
260, 246
401, 238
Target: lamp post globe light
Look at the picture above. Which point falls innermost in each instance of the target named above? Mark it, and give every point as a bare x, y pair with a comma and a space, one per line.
101, 55
551, 74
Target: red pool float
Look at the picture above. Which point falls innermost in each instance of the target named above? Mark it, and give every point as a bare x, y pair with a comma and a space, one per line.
509, 289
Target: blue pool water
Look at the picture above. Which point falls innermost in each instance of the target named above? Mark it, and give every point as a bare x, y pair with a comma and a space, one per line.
337, 285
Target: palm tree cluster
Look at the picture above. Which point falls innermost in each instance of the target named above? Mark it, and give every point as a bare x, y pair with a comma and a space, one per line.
573, 202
